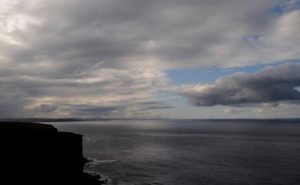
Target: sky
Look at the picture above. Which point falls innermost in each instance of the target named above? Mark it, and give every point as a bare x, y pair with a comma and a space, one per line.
150, 59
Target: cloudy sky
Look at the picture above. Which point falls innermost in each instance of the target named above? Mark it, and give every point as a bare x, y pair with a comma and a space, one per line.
150, 58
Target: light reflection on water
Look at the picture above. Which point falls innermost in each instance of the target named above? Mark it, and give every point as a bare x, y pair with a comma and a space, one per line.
192, 152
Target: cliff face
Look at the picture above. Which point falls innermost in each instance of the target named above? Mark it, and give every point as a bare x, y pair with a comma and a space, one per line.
33, 153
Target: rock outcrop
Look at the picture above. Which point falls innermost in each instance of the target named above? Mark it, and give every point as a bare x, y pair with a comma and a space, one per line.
38, 154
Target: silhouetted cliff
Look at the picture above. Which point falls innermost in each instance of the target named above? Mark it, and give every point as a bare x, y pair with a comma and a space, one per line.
33, 153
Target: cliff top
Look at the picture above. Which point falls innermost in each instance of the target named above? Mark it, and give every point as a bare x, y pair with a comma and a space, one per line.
25, 127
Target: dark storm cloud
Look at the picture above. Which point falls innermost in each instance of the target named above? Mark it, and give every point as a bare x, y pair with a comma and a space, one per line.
269, 85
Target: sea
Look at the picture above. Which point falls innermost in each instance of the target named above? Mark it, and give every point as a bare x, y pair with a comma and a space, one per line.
191, 152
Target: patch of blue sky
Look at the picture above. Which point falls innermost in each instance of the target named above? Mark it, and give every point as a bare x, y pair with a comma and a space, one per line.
167, 97
195, 76
285, 6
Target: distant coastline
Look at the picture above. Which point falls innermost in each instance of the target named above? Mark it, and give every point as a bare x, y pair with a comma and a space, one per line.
48, 119
110, 119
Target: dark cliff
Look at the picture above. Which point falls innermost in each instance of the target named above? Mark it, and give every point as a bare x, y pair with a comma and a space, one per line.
33, 153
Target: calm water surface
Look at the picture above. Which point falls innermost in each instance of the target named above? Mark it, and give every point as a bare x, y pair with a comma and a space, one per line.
192, 152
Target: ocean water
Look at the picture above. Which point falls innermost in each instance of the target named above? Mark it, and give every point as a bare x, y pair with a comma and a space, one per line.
192, 152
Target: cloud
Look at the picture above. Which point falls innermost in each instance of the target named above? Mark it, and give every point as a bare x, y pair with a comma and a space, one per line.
153, 105
164, 35
92, 93
60, 56
271, 84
